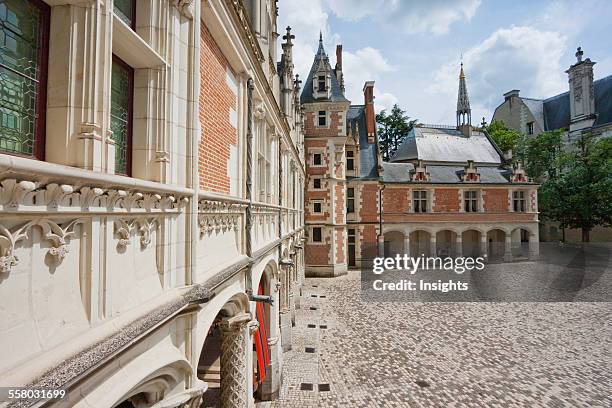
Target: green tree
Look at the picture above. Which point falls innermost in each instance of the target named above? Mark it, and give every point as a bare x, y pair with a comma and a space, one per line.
540, 154
505, 138
392, 130
577, 191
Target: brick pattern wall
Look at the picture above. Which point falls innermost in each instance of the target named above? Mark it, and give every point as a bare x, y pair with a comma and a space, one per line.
340, 204
333, 128
340, 246
216, 100
495, 200
396, 200
368, 207
447, 200
317, 254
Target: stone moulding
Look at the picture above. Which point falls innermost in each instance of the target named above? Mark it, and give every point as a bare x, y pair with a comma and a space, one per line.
32, 196
75, 368
56, 233
219, 216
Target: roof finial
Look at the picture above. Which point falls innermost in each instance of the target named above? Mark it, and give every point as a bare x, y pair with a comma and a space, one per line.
579, 54
288, 37
320, 36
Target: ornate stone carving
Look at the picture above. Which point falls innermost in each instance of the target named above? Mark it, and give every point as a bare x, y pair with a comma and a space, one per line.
234, 361
125, 227
55, 193
218, 216
57, 234
12, 192
90, 196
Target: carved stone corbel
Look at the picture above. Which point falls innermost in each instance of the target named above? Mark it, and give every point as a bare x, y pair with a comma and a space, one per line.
54, 194
13, 192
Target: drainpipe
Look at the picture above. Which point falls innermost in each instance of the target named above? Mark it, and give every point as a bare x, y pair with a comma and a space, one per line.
249, 182
381, 239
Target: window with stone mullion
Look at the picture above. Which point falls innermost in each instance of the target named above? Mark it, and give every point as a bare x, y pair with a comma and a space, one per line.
23, 54
122, 88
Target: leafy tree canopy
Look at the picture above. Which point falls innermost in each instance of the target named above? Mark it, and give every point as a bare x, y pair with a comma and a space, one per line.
392, 130
505, 138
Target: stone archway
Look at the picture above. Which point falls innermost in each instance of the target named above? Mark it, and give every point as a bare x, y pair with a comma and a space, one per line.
471, 243
520, 238
420, 243
394, 243
224, 361
496, 245
445, 243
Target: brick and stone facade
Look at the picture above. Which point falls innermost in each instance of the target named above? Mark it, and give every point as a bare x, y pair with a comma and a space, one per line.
466, 193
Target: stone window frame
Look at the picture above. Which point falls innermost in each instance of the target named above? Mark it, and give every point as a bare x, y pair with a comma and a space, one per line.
312, 153
525, 199
40, 121
530, 128
312, 236
314, 187
428, 200
351, 199
478, 198
313, 205
327, 117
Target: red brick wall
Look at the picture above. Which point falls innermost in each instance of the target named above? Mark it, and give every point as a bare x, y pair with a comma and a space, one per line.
396, 200
495, 200
368, 210
333, 129
340, 204
340, 249
216, 99
369, 241
446, 200
317, 254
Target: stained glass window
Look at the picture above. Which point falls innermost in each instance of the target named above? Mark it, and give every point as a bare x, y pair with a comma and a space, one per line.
122, 87
126, 11
23, 54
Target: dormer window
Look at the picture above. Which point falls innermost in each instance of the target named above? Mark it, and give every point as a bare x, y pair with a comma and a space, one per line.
321, 84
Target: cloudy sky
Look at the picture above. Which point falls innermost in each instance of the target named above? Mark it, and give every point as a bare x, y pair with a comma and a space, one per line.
412, 48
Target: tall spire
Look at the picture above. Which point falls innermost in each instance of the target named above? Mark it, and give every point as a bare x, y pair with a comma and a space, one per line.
464, 113
321, 50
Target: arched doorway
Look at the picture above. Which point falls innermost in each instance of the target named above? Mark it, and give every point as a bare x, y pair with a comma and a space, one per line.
420, 243
394, 243
262, 355
445, 243
520, 243
496, 244
471, 243
223, 362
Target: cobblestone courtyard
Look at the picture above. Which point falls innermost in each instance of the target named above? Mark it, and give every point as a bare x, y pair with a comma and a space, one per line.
351, 353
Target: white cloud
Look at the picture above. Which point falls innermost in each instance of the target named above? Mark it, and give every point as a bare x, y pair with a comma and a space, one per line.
522, 58
366, 64
432, 16
307, 18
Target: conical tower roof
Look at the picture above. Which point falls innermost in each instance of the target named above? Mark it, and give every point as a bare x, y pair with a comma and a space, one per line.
321, 65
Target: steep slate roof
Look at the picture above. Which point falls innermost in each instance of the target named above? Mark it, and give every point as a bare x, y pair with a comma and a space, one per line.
401, 173
447, 145
554, 113
368, 158
336, 92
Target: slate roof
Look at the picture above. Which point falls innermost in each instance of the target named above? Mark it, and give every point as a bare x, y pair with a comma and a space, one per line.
554, 113
336, 92
401, 173
447, 145
368, 157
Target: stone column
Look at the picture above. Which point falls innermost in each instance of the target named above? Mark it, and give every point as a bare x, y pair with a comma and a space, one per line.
285, 310
534, 246
381, 245
432, 245
483, 246
407, 244
508, 248
234, 361
458, 245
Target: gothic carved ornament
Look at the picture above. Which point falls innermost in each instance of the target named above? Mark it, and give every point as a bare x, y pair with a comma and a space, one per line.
143, 226
17, 195
57, 234
217, 216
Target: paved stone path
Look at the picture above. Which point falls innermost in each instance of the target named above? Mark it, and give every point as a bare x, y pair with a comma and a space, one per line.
392, 354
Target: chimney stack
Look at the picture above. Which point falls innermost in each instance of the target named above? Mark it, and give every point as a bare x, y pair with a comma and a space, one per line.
368, 95
582, 98
339, 75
